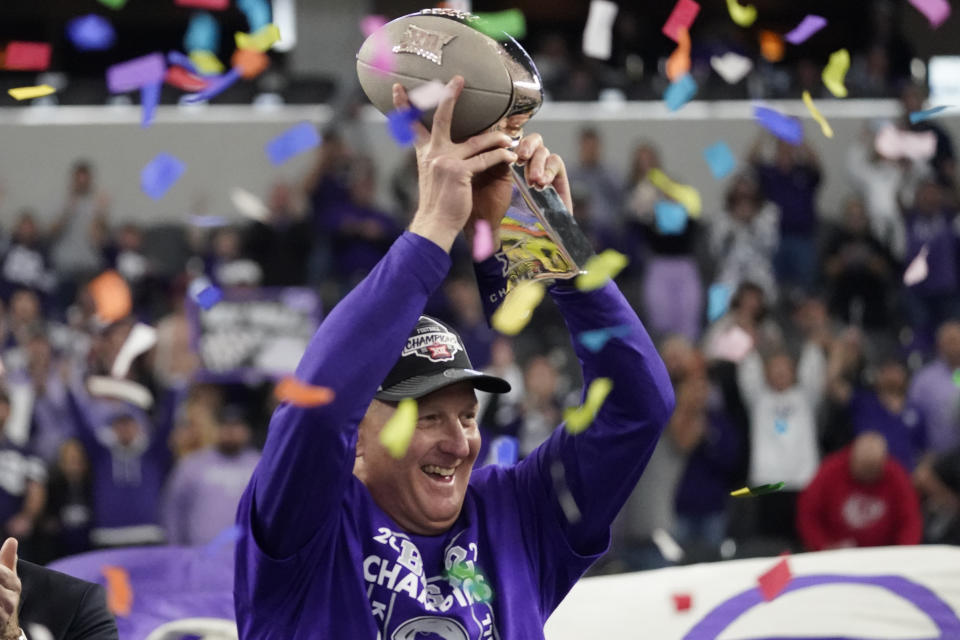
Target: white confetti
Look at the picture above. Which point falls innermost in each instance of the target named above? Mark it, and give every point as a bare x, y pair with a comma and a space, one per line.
731, 66
248, 204
141, 339
427, 96
894, 143
598, 33
918, 270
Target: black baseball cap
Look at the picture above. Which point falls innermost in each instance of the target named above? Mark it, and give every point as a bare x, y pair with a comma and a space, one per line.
434, 357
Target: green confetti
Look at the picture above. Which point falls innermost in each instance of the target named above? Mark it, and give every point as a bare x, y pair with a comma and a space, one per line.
471, 581
752, 492
579, 418
398, 431
498, 25
956, 377
113, 4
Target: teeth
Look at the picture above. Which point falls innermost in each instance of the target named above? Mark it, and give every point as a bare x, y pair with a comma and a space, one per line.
440, 471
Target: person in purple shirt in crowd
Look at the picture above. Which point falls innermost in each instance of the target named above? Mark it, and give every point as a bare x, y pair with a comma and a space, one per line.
936, 298
791, 181
934, 390
25, 262
345, 541
23, 479
201, 496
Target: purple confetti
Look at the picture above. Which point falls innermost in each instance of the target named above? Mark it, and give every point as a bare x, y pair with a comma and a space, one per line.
294, 141
936, 11
807, 27
91, 33
400, 124
217, 86
160, 174
149, 99
136, 73
784, 127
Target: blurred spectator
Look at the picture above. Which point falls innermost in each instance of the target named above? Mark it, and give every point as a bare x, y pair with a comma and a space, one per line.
745, 237
466, 316
23, 480
860, 497
201, 497
502, 414
69, 512
25, 265
542, 403
938, 479
791, 181
51, 424
935, 392
226, 265
174, 359
860, 272
126, 256
749, 312
552, 57
195, 422
327, 187
596, 186
280, 244
944, 161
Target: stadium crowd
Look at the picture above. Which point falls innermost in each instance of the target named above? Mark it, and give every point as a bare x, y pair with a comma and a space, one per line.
797, 353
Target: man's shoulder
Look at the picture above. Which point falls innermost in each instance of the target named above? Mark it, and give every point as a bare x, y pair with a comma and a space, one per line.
41, 581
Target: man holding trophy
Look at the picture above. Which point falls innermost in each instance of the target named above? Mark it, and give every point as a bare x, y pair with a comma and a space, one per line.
344, 540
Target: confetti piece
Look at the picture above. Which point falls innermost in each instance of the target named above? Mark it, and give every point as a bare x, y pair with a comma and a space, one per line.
812, 108
249, 64
428, 95
784, 127
892, 143
206, 63
682, 601
807, 27
160, 174
577, 419
228, 536
149, 99
731, 67
400, 125
774, 581
91, 33
260, 40
679, 61
182, 79
936, 11
596, 339
204, 293
123, 390
29, 93
920, 116
301, 394
836, 71
113, 4
743, 16
136, 73
203, 33
666, 545
500, 24
685, 194
732, 345
718, 300
482, 240
119, 591
600, 269
720, 159
771, 46
918, 270
382, 53
256, 11
680, 92
507, 450
141, 339
681, 17
398, 431
956, 376
292, 142
111, 297
598, 32
216, 86
517, 308
248, 204
207, 221
212, 5
753, 492
27, 56
671, 217
183, 60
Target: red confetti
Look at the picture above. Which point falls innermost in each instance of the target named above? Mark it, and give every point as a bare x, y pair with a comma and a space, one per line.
182, 79
682, 16
213, 5
773, 582
27, 56
682, 601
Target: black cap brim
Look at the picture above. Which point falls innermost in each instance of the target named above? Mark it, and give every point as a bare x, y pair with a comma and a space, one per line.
419, 386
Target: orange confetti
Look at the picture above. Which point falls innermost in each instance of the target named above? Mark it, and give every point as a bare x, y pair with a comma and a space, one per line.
111, 296
300, 394
679, 61
771, 46
250, 63
119, 591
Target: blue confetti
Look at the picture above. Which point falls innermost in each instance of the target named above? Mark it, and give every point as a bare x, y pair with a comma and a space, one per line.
920, 116
216, 86
680, 92
182, 60
160, 174
400, 124
780, 426
204, 293
720, 160
225, 537
91, 33
718, 300
294, 141
257, 13
507, 450
596, 339
203, 33
149, 99
671, 217
784, 127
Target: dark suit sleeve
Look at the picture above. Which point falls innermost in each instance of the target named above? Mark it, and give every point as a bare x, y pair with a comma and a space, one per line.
93, 620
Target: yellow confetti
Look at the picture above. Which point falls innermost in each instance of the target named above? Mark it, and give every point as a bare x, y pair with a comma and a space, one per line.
812, 108
260, 40
398, 431
601, 268
836, 71
744, 16
577, 419
28, 93
206, 62
517, 308
685, 194
740, 492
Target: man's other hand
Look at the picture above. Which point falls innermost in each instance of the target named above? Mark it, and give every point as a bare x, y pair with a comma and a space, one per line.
9, 591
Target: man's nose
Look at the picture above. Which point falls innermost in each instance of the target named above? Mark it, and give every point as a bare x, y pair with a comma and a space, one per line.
454, 440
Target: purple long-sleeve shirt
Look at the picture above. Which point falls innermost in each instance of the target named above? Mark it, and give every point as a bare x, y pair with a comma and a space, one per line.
324, 561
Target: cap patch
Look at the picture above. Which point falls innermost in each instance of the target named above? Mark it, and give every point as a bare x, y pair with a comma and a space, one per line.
432, 342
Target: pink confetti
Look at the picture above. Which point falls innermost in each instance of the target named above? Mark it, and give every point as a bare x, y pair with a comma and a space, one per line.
936, 11
482, 241
893, 143
382, 56
773, 582
918, 270
682, 16
733, 344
